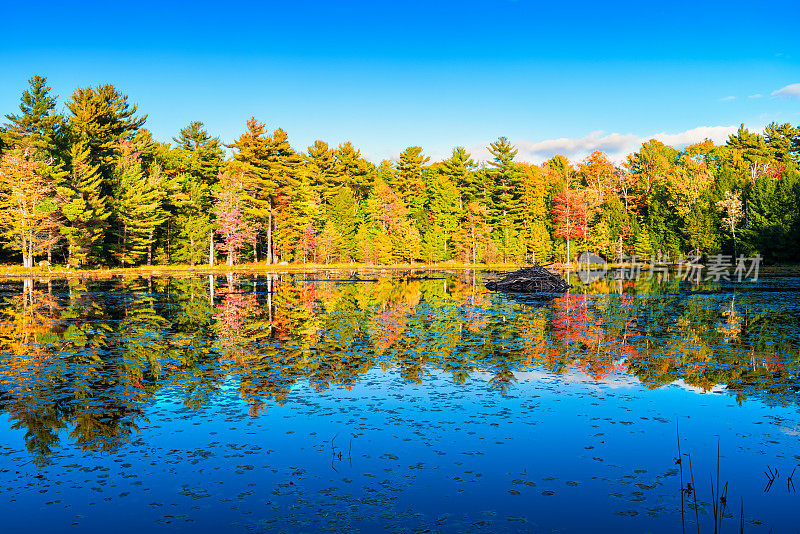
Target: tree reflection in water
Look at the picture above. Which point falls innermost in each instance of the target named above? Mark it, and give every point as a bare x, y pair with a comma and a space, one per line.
89, 356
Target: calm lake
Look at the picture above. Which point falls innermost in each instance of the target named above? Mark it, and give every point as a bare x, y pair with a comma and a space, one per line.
396, 402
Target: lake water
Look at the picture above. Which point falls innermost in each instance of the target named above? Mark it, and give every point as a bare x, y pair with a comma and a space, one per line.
310, 402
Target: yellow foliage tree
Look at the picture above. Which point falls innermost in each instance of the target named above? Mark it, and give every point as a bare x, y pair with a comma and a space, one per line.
26, 205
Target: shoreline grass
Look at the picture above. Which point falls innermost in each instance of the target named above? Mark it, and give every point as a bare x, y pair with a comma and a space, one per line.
57, 271
60, 271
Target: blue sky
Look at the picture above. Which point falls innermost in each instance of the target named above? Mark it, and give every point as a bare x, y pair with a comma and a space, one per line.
552, 76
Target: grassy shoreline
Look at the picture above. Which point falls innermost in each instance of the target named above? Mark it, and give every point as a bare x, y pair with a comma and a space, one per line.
13, 271
56, 271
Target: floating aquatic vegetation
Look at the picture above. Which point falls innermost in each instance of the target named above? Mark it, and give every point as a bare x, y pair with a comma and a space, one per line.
397, 404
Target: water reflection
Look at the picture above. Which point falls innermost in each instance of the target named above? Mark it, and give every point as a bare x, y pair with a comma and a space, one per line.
87, 357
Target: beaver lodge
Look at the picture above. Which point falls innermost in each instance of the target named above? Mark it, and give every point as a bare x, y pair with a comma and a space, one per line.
533, 279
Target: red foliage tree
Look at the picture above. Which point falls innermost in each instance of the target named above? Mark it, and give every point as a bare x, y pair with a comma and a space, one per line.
569, 215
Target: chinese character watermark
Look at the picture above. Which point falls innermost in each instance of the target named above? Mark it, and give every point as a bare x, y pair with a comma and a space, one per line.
692, 267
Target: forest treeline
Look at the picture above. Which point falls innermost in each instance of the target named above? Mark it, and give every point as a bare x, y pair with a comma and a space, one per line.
91, 186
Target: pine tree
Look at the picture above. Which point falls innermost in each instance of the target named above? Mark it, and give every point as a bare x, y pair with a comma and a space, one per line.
642, 246
783, 141
354, 171
408, 181
271, 169
292, 195
198, 163
201, 154
461, 169
753, 149
342, 215
38, 130
506, 191
139, 197
443, 208
37, 125
100, 118
84, 206
773, 209
322, 170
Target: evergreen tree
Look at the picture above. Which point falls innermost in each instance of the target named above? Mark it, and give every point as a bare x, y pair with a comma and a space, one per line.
354, 171
84, 206
408, 181
642, 246
753, 149
138, 206
774, 218
443, 209
342, 215
461, 169
322, 170
271, 173
505, 210
99, 119
200, 154
198, 163
37, 125
783, 141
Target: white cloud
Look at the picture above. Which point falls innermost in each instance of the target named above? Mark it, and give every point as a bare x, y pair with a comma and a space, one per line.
718, 134
758, 95
616, 146
790, 91
727, 98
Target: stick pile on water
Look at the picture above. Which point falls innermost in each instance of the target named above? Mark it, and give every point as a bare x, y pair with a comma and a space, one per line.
533, 279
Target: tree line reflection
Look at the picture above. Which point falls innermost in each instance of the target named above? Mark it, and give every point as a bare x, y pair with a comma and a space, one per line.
85, 358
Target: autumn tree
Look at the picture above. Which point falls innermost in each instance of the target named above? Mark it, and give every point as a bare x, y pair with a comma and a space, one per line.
535, 211
473, 233
568, 216
26, 205
232, 225
732, 206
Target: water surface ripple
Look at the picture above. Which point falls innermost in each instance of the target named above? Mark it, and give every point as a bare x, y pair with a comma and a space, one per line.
395, 401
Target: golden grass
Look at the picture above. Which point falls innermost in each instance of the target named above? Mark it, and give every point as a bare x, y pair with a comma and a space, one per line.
56, 271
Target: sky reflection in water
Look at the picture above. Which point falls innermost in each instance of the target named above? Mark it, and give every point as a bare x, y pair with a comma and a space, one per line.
304, 403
